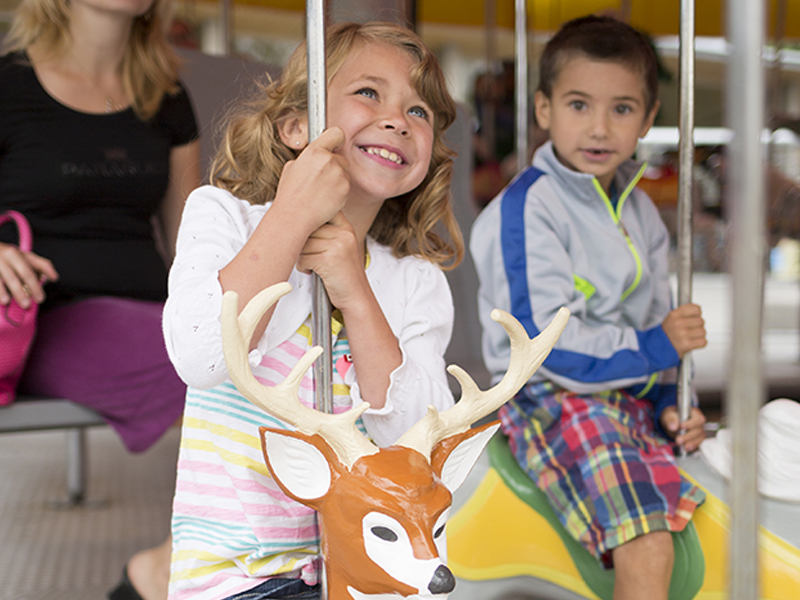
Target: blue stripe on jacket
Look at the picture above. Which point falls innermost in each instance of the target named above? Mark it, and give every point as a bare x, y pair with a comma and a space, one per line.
656, 352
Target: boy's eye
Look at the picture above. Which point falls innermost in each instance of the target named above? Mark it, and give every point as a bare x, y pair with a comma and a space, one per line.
578, 104
623, 109
418, 111
368, 92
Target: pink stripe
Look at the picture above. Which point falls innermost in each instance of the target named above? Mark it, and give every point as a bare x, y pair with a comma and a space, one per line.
195, 510
285, 533
305, 384
205, 489
292, 349
245, 485
198, 466
218, 579
293, 510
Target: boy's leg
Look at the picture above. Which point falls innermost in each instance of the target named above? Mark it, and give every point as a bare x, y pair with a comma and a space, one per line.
643, 567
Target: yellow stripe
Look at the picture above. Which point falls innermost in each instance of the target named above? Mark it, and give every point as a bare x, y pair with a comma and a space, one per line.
649, 386
616, 217
305, 331
584, 287
197, 572
629, 189
564, 475
232, 458
628, 477
203, 555
222, 431
606, 201
258, 565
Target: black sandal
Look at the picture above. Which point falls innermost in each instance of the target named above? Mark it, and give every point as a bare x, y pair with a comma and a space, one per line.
124, 589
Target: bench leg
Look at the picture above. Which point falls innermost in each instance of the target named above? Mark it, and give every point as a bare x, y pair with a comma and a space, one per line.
76, 465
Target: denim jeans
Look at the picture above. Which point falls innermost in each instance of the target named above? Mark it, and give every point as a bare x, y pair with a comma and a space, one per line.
280, 588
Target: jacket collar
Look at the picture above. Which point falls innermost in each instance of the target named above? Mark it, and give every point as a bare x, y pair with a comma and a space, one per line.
584, 186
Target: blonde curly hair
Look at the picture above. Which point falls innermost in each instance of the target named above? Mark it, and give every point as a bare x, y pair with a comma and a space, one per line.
251, 157
149, 67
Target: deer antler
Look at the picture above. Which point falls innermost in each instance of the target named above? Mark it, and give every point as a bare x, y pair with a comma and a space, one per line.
282, 401
526, 356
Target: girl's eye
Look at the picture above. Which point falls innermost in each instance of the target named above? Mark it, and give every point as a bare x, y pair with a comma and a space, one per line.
418, 111
368, 92
623, 109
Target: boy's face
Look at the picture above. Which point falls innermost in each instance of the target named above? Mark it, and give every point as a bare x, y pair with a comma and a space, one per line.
596, 115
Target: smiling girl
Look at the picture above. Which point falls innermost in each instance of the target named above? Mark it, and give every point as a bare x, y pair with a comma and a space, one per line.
362, 206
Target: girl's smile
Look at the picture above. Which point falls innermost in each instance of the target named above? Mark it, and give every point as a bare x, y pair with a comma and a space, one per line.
388, 128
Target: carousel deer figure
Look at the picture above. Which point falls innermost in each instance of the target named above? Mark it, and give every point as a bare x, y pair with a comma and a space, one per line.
382, 510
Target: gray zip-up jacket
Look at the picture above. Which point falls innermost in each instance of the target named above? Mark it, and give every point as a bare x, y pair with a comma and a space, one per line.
553, 238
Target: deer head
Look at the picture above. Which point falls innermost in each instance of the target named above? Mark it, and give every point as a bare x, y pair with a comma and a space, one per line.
382, 510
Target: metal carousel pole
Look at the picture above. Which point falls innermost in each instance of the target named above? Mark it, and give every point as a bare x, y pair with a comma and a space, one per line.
745, 185
521, 82
321, 306
685, 177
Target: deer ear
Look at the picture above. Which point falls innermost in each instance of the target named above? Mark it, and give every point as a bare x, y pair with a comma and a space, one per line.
453, 458
299, 467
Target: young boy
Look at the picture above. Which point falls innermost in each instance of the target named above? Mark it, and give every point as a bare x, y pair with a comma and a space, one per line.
572, 230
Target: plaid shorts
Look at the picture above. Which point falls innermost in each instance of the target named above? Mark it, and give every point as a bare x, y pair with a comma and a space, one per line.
607, 474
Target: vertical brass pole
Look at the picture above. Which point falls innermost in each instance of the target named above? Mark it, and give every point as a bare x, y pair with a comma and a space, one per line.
321, 306
685, 187
521, 85
745, 185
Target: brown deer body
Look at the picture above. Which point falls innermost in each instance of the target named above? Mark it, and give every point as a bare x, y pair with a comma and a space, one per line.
383, 511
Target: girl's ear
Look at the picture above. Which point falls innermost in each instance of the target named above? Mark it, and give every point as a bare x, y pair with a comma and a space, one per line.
294, 131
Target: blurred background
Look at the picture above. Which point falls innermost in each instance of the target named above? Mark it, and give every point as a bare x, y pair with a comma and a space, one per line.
78, 553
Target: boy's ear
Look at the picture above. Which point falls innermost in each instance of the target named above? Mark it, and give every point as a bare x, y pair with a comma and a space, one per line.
294, 131
650, 119
542, 106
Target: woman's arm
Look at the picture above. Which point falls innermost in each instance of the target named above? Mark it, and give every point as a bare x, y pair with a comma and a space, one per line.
184, 170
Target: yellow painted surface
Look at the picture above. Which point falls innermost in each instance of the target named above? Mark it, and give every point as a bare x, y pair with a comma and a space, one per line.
656, 18
779, 561
496, 535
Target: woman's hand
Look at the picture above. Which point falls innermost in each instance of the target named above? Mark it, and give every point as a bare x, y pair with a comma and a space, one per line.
685, 328
314, 186
693, 431
22, 275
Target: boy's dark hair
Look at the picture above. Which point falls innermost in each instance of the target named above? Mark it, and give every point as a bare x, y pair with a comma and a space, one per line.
600, 38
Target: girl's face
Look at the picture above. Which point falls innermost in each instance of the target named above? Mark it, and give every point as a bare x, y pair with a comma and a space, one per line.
388, 128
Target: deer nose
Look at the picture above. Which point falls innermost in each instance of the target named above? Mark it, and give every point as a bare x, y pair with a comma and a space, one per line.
442, 582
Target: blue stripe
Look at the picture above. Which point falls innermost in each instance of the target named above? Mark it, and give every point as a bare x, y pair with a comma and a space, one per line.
512, 236
656, 352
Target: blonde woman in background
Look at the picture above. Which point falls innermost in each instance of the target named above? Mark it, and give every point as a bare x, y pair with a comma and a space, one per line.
98, 149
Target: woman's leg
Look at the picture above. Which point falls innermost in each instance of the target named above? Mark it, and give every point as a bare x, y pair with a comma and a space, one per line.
643, 567
108, 354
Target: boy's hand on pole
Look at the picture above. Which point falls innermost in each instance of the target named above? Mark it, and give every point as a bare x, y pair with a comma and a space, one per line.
691, 431
685, 328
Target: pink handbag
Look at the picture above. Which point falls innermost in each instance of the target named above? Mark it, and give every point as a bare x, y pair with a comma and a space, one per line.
17, 324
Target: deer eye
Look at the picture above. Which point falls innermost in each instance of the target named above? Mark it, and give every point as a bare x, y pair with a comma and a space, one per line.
384, 533
439, 532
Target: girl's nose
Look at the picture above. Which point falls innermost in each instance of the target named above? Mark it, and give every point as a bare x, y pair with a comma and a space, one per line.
395, 120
